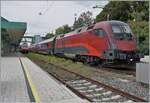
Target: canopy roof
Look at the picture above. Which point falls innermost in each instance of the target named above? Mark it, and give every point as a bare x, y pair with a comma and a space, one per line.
15, 30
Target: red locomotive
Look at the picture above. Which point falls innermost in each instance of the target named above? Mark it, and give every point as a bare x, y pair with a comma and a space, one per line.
107, 41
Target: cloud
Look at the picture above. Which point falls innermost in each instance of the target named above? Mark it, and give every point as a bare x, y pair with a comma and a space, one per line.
91, 3
54, 13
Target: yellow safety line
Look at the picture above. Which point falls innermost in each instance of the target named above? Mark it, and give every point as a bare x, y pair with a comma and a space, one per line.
33, 87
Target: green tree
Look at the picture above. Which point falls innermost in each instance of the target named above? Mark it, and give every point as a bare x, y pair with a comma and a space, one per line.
63, 29
117, 10
142, 32
124, 10
139, 7
67, 29
59, 31
49, 35
84, 19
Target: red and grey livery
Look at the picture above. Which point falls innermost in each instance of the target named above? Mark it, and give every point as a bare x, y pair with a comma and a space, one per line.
104, 41
24, 48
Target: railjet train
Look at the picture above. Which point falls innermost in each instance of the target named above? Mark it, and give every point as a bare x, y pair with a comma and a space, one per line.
107, 41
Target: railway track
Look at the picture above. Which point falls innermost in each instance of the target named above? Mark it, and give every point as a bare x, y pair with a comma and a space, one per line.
117, 69
92, 90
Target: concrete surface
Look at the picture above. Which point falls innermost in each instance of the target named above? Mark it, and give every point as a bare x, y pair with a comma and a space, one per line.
48, 89
13, 85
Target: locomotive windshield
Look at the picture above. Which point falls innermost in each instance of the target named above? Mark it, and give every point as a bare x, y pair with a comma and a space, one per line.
24, 45
122, 32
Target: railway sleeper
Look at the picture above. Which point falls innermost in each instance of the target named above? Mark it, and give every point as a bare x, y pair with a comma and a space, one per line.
106, 89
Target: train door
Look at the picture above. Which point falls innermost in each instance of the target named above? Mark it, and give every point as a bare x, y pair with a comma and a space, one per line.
54, 45
101, 40
62, 44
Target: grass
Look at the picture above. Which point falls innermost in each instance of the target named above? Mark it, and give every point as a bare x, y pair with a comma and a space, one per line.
76, 67
67, 64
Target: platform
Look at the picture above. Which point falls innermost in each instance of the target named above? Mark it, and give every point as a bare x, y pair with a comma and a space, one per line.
13, 84
24, 81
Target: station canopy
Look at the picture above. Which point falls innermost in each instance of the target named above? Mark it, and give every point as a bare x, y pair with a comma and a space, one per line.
15, 30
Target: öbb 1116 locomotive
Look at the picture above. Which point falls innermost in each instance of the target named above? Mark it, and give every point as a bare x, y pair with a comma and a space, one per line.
107, 41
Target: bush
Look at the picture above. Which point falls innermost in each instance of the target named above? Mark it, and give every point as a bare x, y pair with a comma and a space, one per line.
141, 30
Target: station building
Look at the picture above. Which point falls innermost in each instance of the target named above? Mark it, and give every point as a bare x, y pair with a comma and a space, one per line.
11, 35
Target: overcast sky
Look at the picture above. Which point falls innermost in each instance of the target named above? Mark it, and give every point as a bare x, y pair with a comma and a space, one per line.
54, 13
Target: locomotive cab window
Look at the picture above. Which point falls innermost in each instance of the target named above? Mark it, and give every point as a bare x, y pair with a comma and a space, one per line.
116, 29
122, 32
99, 32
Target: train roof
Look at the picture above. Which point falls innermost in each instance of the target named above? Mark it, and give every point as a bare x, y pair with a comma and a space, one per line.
115, 22
47, 40
86, 28
82, 29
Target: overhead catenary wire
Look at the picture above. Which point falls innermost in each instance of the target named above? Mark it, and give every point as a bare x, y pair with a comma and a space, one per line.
47, 7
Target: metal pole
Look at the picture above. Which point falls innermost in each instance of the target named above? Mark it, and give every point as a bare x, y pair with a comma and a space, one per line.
107, 17
75, 15
137, 35
101, 7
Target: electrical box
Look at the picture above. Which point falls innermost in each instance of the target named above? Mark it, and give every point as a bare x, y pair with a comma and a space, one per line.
142, 72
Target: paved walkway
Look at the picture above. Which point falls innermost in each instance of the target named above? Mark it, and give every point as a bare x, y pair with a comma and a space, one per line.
48, 90
13, 85
18, 79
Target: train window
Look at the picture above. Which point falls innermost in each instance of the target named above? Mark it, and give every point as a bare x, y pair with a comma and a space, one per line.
121, 29
44, 45
126, 29
122, 32
116, 29
123, 36
99, 32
